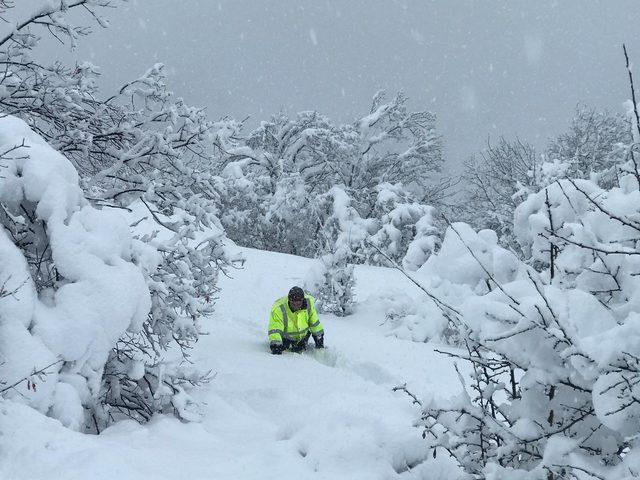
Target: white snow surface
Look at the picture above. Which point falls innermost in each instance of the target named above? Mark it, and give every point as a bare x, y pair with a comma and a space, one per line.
323, 414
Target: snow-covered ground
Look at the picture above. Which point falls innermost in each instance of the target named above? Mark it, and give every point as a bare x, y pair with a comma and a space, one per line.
325, 414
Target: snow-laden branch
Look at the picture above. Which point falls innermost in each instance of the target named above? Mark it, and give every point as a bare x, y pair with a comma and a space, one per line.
51, 15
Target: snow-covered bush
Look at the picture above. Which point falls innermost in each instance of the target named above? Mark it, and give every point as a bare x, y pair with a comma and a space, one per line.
72, 281
417, 320
426, 240
596, 146
406, 233
553, 344
468, 263
141, 146
471, 259
342, 233
335, 293
554, 350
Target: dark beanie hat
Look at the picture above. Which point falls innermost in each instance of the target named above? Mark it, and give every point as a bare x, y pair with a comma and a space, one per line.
296, 293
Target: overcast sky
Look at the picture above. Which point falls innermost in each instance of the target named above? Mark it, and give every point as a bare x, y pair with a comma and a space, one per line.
486, 68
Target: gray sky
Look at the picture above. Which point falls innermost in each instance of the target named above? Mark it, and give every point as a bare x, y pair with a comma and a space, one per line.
486, 68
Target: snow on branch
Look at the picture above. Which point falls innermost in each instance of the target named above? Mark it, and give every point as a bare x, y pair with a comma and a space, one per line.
51, 15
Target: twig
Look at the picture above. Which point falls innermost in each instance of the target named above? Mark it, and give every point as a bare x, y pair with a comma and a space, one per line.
602, 209
633, 90
403, 388
28, 378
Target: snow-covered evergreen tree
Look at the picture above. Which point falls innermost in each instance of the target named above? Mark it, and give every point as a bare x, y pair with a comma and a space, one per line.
342, 235
335, 294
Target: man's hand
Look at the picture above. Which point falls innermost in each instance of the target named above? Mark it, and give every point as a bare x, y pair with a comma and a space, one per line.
277, 349
319, 339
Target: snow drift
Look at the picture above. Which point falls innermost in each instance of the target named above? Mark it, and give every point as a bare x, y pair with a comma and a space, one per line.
69, 282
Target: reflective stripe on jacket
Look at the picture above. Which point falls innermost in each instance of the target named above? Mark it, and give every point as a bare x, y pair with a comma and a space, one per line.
294, 326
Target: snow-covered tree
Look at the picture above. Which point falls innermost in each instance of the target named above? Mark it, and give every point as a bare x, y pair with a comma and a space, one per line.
342, 235
426, 240
496, 180
305, 145
335, 293
72, 281
390, 145
270, 185
140, 147
273, 184
593, 146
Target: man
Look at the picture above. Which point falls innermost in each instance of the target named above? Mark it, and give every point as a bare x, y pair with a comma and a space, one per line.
293, 320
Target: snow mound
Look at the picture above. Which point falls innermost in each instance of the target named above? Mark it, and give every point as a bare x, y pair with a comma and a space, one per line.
62, 322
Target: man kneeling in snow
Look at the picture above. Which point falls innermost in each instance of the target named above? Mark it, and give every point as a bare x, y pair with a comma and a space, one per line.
293, 320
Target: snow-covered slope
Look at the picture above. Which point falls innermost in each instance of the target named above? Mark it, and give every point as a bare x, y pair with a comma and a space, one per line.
326, 414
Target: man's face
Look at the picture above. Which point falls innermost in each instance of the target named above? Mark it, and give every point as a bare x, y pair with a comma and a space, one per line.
295, 304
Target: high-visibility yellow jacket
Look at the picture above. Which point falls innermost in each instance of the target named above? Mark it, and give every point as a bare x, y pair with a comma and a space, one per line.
293, 326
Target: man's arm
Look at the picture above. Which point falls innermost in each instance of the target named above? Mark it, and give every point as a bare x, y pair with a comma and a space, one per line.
276, 330
314, 324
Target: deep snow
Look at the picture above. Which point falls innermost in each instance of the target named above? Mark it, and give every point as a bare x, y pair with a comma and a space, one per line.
325, 414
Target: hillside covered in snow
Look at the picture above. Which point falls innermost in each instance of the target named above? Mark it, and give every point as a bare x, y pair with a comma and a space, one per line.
320, 414
188, 295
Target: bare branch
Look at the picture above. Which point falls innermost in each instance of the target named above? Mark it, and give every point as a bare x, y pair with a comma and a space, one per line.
41, 371
633, 90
